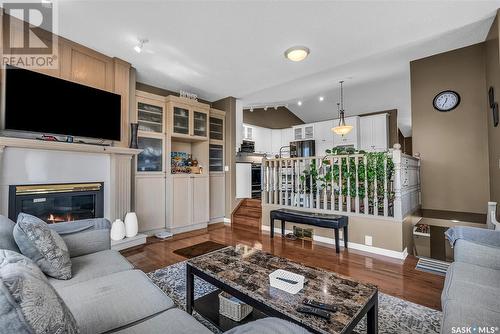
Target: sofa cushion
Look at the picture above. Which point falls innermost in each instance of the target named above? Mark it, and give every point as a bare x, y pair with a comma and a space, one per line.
459, 314
268, 326
113, 301
28, 303
173, 321
43, 245
93, 265
483, 296
6, 237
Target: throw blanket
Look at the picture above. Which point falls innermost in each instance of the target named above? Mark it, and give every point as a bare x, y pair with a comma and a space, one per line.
481, 236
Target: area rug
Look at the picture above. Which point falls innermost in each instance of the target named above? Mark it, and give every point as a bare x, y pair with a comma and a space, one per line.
198, 249
395, 315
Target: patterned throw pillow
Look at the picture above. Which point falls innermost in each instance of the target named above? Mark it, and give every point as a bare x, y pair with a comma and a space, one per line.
29, 304
42, 245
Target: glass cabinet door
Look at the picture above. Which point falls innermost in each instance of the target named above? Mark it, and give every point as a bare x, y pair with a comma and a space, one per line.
216, 128
216, 158
150, 159
181, 121
200, 124
150, 117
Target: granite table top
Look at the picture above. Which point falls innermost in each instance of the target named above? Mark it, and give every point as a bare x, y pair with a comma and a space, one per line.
246, 269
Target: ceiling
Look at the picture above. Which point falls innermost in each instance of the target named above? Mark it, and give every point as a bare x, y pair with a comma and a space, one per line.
235, 48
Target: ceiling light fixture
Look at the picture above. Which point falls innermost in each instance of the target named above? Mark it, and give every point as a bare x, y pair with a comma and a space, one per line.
321, 98
299, 103
138, 47
342, 129
297, 53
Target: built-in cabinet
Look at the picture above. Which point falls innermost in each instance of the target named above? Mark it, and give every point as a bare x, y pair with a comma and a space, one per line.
303, 132
324, 136
178, 202
374, 132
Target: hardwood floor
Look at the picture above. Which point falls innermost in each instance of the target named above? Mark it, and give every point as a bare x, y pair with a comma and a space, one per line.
394, 277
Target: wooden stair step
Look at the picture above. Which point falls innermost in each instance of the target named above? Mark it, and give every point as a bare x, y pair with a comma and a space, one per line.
247, 222
252, 202
242, 211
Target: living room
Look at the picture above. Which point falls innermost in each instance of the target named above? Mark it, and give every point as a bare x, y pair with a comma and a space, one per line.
249, 167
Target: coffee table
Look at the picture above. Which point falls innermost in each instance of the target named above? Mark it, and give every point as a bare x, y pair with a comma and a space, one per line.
243, 272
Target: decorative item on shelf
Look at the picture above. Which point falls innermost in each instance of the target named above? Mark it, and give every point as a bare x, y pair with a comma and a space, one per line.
131, 225
117, 230
189, 161
342, 128
187, 95
133, 135
179, 163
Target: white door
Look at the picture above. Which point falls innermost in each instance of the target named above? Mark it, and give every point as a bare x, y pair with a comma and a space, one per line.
182, 201
366, 133
217, 198
243, 180
201, 199
150, 201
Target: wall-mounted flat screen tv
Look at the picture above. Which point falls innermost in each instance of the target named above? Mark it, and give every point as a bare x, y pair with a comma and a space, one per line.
43, 104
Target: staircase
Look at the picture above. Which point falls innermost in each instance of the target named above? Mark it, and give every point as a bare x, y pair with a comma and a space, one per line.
247, 215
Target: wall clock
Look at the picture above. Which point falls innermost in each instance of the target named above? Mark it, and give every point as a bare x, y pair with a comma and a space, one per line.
446, 101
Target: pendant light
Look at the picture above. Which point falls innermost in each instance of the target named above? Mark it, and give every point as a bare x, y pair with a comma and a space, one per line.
341, 129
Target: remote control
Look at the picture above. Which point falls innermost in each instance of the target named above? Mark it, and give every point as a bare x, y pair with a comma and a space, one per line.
323, 306
313, 311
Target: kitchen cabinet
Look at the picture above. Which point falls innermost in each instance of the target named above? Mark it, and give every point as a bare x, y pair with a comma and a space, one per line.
275, 141
374, 136
352, 138
188, 119
262, 138
247, 132
190, 202
303, 132
217, 197
324, 137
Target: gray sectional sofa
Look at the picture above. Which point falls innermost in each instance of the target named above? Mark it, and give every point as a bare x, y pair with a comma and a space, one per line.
106, 294
471, 293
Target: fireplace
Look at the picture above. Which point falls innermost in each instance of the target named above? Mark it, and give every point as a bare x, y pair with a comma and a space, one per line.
55, 203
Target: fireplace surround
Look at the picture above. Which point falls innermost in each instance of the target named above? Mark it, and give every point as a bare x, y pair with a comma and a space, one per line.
54, 203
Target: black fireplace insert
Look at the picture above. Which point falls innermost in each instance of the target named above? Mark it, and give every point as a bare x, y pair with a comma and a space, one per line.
54, 203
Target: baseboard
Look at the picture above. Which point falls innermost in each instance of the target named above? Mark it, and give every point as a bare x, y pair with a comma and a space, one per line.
370, 249
177, 230
227, 221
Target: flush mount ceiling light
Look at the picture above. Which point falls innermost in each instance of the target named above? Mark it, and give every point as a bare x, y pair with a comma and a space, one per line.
342, 128
297, 53
138, 47
321, 98
299, 103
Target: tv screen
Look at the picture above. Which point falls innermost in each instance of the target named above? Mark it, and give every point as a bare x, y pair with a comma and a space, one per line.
36, 102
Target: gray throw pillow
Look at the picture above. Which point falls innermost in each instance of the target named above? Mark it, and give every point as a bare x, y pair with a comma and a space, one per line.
28, 303
42, 245
6, 238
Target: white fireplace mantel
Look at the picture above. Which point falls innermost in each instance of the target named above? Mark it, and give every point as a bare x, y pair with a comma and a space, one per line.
31, 161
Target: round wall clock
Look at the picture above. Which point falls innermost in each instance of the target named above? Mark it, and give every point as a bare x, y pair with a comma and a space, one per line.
446, 101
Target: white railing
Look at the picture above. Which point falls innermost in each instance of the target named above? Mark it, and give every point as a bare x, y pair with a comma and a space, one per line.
378, 184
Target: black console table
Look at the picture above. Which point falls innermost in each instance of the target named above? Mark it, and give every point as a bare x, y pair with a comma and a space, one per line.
311, 218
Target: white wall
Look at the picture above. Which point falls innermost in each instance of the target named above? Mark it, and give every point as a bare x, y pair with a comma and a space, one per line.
29, 166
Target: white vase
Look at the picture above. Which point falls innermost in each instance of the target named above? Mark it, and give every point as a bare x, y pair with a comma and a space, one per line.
117, 230
131, 225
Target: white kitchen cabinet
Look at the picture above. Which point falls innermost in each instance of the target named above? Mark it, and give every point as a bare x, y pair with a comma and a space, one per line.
217, 198
374, 135
275, 141
190, 202
262, 139
286, 136
243, 180
247, 132
303, 132
324, 137
350, 139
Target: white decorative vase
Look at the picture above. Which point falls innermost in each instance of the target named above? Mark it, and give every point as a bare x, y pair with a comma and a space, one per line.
117, 230
131, 225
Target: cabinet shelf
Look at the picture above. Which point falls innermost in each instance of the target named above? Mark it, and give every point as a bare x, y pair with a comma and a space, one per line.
151, 112
149, 122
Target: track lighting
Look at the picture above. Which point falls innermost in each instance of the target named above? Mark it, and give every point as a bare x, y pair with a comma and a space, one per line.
138, 47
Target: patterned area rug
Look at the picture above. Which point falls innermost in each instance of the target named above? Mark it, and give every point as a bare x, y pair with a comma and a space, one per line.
395, 315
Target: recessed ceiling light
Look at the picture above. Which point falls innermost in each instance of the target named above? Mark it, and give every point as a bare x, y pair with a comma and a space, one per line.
297, 53
299, 103
138, 47
321, 98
